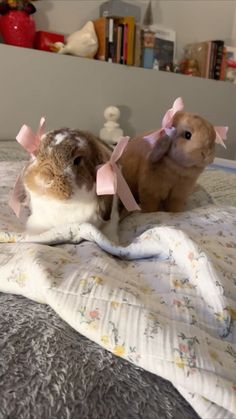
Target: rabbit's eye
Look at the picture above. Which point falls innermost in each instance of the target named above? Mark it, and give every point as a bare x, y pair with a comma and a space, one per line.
187, 135
77, 161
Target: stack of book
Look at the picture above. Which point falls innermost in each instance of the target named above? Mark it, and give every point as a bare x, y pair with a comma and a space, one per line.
210, 56
121, 40
158, 48
116, 38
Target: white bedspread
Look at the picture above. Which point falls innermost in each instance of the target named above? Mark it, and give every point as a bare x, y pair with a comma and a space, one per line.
164, 300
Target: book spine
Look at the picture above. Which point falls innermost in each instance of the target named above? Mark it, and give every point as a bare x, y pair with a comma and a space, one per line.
137, 46
115, 40
223, 65
147, 47
212, 61
130, 22
208, 60
218, 59
125, 43
122, 44
110, 46
100, 28
118, 44
148, 57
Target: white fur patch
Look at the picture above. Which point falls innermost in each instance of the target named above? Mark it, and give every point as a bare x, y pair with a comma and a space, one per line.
47, 212
60, 137
82, 207
81, 141
68, 171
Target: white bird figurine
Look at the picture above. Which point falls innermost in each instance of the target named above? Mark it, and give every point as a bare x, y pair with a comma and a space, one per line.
83, 43
111, 131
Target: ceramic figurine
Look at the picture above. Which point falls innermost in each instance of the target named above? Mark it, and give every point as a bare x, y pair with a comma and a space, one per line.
82, 43
111, 131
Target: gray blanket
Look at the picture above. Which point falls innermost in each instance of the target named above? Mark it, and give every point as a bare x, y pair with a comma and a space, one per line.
48, 370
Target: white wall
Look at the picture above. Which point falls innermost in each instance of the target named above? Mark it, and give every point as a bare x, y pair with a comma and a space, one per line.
193, 20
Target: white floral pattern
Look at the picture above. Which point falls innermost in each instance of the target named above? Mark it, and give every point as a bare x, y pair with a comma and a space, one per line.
164, 300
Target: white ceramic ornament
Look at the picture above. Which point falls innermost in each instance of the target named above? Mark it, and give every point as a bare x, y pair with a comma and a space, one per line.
82, 43
111, 131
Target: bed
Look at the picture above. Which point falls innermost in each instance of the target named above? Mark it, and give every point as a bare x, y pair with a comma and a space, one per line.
144, 330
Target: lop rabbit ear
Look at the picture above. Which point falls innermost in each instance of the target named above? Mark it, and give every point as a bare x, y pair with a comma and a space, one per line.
160, 149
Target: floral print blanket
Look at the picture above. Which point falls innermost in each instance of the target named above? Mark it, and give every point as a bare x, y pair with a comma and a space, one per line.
165, 299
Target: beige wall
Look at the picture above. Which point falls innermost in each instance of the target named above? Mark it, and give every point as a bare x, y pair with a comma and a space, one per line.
193, 20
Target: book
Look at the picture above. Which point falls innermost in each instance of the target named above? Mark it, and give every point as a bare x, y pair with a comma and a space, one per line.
121, 25
119, 44
111, 44
147, 48
101, 26
223, 64
201, 52
137, 46
218, 58
158, 48
128, 23
209, 55
125, 43
45, 40
165, 46
109, 38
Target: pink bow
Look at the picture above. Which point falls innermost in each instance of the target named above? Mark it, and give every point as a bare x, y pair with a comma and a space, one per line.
30, 142
221, 135
178, 105
110, 180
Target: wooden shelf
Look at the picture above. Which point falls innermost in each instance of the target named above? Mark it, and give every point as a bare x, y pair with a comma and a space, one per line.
72, 91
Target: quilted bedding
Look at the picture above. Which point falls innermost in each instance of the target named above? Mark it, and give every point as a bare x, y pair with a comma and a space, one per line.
165, 300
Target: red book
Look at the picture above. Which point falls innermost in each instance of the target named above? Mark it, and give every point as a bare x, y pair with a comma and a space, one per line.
45, 40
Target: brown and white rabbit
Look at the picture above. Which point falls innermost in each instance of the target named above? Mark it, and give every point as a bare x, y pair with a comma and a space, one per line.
163, 176
61, 183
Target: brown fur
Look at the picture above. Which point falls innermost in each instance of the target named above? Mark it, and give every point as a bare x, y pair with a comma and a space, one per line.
162, 177
54, 173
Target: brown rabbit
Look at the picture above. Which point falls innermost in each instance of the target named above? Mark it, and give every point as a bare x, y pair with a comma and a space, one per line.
163, 176
61, 183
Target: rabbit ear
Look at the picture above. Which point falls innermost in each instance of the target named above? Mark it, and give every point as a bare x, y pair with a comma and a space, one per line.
105, 206
160, 149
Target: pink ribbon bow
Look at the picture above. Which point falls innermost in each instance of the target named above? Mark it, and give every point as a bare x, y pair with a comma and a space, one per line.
111, 181
30, 142
28, 139
178, 105
221, 135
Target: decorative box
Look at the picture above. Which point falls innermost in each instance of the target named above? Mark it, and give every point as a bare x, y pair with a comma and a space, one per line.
45, 40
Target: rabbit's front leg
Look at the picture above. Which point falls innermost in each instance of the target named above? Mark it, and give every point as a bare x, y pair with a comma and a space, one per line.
177, 198
149, 200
